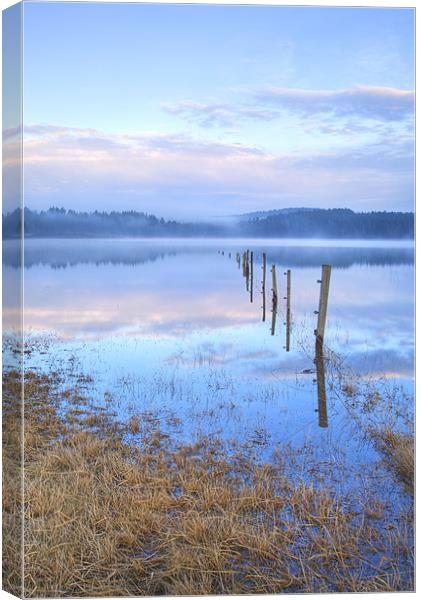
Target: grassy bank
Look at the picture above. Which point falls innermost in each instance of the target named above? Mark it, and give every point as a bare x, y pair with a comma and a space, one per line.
115, 509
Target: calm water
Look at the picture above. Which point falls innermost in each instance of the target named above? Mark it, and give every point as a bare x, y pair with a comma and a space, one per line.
168, 328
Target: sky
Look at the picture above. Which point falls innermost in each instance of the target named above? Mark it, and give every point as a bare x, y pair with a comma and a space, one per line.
198, 112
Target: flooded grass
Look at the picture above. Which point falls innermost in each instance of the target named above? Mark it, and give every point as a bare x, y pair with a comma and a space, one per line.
399, 451
119, 508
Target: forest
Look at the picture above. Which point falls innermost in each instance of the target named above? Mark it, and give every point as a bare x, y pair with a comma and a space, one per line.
286, 223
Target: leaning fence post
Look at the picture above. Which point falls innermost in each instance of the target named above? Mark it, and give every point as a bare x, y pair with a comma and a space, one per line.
324, 294
274, 285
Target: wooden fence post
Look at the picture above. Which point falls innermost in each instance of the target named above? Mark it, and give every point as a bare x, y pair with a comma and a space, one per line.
324, 294
264, 287
274, 285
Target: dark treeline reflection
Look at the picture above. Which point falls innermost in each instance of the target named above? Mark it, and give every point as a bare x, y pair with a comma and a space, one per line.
60, 254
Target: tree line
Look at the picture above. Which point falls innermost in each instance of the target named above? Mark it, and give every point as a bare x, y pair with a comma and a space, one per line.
314, 223
334, 223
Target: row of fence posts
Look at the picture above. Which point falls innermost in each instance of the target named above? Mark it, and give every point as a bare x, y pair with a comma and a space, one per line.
246, 262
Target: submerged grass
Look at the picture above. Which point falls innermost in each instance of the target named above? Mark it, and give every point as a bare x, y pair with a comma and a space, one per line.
388, 422
113, 509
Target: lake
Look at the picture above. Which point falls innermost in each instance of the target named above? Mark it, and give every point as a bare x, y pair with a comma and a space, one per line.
169, 330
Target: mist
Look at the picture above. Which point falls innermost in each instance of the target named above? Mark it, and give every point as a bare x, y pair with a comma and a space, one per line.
283, 223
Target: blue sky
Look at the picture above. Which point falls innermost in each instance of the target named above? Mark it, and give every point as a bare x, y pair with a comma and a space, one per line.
202, 111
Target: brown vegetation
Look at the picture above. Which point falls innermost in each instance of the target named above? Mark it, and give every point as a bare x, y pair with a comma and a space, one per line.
399, 451
113, 509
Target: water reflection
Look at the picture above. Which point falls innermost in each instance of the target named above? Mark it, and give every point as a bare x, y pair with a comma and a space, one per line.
191, 293
168, 329
321, 384
251, 276
264, 287
65, 253
288, 311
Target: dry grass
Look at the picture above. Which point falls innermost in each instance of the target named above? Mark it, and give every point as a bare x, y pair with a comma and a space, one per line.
12, 485
399, 450
112, 510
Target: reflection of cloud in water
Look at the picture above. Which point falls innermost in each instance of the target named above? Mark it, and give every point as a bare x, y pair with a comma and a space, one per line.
196, 295
378, 362
282, 368
262, 355
184, 298
375, 363
145, 298
139, 315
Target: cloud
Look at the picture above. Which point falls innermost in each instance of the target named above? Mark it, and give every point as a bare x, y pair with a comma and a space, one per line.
345, 111
41, 141
367, 102
218, 114
185, 177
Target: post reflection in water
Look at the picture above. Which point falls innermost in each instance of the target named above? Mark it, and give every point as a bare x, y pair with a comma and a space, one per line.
288, 311
274, 299
264, 287
251, 276
274, 311
321, 384
247, 270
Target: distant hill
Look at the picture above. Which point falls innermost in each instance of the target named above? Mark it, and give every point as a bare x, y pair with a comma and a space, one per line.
262, 214
283, 223
332, 223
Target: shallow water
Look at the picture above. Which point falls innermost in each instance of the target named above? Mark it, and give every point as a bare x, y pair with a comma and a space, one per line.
167, 327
